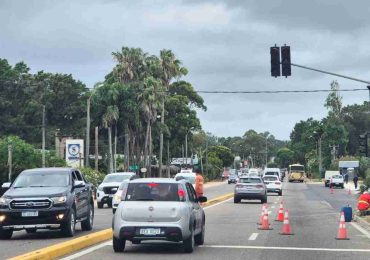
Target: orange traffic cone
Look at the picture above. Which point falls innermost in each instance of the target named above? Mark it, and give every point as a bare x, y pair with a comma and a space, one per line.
349, 191
280, 216
342, 232
265, 222
264, 208
286, 229
331, 190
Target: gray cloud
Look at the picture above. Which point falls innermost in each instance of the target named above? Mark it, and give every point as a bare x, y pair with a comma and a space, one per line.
224, 44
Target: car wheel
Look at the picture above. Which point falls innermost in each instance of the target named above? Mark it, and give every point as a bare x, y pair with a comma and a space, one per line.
114, 211
264, 200
199, 239
280, 193
69, 228
236, 200
100, 205
88, 223
31, 230
6, 234
109, 204
189, 243
118, 244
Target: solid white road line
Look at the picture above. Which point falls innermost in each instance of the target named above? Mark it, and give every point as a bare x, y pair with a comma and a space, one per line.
288, 248
326, 203
253, 236
87, 251
362, 230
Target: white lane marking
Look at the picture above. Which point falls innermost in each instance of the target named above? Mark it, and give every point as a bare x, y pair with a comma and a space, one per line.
272, 207
217, 204
289, 248
326, 203
362, 230
276, 202
87, 251
253, 236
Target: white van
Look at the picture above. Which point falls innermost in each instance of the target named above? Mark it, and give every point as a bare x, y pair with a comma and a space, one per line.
272, 172
328, 175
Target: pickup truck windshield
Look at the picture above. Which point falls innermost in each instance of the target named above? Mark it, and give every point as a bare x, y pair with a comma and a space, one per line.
42, 180
153, 192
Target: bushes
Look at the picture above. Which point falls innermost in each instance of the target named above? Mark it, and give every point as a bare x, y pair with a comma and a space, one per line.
95, 177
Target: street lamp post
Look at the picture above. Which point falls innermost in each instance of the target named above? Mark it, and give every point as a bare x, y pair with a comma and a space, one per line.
87, 146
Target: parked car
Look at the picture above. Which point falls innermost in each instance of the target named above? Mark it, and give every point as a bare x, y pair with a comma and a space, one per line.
273, 184
337, 181
159, 209
47, 198
233, 178
109, 187
328, 175
250, 188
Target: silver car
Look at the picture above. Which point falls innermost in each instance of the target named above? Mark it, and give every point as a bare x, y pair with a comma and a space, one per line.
250, 188
159, 209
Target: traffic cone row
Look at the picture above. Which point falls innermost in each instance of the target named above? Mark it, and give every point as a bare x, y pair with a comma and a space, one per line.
342, 232
280, 216
264, 208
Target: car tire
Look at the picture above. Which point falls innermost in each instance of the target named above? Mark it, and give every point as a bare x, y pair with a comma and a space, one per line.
69, 227
280, 193
264, 200
199, 239
31, 230
100, 205
236, 200
114, 211
118, 244
88, 223
6, 234
228, 182
109, 204
189, 243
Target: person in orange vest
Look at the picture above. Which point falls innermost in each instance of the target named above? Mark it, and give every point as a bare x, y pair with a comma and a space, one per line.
363, 203
199, 181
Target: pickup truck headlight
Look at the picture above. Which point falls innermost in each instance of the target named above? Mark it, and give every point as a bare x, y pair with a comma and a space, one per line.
4, 201
59, 200
100, 188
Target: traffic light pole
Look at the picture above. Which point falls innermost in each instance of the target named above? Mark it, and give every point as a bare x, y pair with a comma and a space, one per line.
330, 73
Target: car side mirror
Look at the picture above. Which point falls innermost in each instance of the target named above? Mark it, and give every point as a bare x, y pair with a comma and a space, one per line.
6, 185
202, 199
78, 184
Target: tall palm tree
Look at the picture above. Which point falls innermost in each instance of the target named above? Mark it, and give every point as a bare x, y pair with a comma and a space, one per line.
109, 118
171, 68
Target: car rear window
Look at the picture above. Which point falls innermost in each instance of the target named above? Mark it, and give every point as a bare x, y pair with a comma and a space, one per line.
250, 180
272, 173
270, 178
154, 192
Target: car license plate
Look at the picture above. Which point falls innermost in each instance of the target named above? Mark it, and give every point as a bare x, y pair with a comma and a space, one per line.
150, 231
30, 213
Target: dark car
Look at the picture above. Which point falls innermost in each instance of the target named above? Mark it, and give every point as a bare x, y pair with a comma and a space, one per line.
47, 198
233, 178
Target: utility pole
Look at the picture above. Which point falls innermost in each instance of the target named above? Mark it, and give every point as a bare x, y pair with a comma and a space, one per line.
10, 162
186, 147
368, 87
87, 147
320, 156
96, 148
183, 159
43, 136
266, 151
168, 159
161, 141
206, 170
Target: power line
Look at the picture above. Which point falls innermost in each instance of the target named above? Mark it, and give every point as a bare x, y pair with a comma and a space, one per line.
276, 91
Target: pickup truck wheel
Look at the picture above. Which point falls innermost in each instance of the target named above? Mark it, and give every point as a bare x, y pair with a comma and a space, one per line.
6, 234
109, 204
280, 193
236, 200
189, 243
88, 223
264, 200
69, 228
31, 230
199, 239
100, 205
118, 244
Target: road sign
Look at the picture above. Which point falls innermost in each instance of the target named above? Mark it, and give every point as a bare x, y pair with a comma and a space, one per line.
74, 152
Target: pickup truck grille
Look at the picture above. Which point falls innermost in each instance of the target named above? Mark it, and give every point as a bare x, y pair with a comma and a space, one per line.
110, 190
30, 204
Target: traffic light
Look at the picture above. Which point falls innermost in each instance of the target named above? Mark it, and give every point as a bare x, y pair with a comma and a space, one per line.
275, 61
286, 69
364, 146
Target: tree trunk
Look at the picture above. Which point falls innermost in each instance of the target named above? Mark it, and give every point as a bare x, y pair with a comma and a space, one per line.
127, 153
161, 141
146, 145
115, 149
150, 152
110, 168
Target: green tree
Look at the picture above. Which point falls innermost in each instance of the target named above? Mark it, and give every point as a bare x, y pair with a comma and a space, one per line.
284, 157
224, 154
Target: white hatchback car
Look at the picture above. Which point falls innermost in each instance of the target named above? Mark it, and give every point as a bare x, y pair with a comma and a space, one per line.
273, 184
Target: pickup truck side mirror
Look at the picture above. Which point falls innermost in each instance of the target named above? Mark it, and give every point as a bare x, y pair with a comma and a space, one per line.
6, 185
78, 184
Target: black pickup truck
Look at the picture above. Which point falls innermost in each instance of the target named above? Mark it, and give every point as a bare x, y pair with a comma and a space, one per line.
47, 198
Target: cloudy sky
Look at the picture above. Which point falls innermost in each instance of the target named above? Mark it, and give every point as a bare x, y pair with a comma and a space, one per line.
224, 44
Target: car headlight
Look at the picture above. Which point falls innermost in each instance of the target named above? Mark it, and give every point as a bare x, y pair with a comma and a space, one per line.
100, 188
59, 200
4, 201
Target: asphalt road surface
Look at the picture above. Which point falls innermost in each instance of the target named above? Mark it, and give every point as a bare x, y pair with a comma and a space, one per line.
22, 242
231, 231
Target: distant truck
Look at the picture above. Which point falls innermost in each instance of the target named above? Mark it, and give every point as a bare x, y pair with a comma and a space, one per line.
296, 173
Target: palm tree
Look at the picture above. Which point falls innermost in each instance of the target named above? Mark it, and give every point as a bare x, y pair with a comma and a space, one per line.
171, 68
109, 118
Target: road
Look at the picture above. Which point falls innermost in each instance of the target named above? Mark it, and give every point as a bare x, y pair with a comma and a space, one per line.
231, 231
22, 242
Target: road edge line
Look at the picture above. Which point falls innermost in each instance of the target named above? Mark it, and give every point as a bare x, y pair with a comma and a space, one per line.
71, 246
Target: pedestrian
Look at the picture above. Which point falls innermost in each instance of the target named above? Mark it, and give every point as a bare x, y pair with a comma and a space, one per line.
363, 203
199, 181
346, 176
355, 180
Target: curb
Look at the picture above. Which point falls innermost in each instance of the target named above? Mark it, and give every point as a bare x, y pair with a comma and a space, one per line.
363, 223
70, 246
